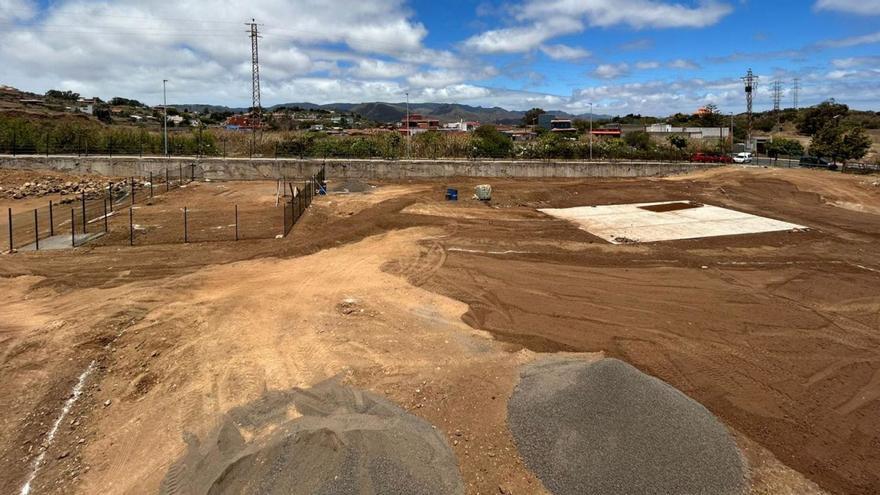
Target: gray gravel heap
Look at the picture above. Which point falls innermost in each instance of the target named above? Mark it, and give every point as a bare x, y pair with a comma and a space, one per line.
346, 442
606, 428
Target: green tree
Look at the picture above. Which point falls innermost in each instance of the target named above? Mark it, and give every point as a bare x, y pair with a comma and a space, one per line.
827, 140
710, 117
491, 142
815, 118
785, 147
855, 144
62, 95
638, 139
531, 117
679, 142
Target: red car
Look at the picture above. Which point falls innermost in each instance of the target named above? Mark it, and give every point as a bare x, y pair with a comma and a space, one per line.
711, 158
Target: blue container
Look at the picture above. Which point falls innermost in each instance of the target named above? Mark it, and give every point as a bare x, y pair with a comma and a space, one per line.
452, 194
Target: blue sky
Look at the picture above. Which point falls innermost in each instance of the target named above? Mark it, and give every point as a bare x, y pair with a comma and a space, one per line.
624, 56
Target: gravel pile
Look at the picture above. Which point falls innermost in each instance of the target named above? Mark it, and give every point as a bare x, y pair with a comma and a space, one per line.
346, 442
606, 428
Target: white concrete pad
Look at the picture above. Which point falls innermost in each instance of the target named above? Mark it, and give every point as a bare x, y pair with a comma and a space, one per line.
622, 224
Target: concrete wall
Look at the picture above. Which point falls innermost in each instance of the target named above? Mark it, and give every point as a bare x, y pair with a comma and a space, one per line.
242, 168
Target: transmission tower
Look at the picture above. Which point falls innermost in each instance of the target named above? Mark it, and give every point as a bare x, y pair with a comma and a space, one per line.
256, 108
751, 84
795, 92
777, 100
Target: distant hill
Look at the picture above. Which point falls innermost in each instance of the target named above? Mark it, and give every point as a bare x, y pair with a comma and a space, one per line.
385, 112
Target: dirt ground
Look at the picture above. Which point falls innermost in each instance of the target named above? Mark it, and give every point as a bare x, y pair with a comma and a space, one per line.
435, 305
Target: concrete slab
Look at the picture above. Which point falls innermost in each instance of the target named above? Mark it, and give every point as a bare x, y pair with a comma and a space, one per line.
666, 221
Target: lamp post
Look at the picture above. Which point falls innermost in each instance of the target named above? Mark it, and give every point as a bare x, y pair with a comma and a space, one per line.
408, 128
165, 115
591, 131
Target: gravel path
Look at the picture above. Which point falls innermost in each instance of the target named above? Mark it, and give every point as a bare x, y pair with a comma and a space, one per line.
346, 442
606, 428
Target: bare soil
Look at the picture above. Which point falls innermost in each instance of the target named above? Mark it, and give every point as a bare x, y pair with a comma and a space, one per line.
436, 305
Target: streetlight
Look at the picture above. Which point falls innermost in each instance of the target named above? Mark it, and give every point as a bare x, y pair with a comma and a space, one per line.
591, 130
408, 127
165, 112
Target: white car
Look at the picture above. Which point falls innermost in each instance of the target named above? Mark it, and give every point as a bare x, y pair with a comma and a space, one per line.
744, 157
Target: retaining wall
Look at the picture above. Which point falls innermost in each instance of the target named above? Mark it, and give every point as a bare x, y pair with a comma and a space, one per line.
243, 168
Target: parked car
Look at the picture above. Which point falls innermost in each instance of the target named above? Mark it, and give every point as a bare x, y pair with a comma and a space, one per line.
816, 162
744, 157
711, 158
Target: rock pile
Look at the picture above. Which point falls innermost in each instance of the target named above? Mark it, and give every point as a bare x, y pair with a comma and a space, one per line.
47, 185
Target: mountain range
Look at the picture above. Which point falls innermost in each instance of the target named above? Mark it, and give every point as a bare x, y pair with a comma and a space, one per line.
393, 112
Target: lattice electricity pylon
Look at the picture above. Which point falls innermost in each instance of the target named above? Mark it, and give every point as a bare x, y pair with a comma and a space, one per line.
751, 85
256, 108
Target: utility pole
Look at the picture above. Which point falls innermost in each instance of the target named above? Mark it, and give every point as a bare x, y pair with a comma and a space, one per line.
165, 112
777, 99
408, 128
256, 110
795, 92
591, 130
751, 85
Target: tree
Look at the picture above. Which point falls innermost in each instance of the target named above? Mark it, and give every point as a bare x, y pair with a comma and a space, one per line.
855, 144
827, 141
815, 118
679, 142
710, 116
531, 117
638, 139
491, 142
62, 95
786, 147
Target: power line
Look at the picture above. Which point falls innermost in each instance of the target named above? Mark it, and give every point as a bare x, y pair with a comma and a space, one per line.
777, 95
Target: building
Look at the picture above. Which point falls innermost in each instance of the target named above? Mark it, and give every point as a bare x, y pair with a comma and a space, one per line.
563, 127
461, 126
661, 132
520, 135
86, 106
236, 122
418, 124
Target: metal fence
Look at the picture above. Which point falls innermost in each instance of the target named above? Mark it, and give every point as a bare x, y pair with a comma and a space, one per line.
76, 219
301, 199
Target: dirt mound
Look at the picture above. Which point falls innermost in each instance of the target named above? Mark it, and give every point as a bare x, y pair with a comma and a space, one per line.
607, 428
346, 441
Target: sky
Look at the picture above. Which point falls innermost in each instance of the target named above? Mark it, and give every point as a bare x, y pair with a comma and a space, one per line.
650, 57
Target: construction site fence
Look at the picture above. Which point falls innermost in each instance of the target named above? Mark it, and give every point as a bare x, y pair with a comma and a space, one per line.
77, 218
301, 197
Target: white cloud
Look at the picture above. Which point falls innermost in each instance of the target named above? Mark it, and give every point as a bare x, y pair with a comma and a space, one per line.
17, 9
647, 65
681, 63
611, 71
368, 68
565, 52
865, 39
861, 7
542, 20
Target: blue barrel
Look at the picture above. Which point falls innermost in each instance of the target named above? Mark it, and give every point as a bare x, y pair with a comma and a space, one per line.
452, 194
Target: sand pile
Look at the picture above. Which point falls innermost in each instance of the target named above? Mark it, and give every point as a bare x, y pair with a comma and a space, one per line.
606, 428
346, 442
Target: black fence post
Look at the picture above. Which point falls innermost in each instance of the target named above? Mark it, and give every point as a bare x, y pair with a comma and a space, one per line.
236, 222
105, 216
151, 184
131, 186
72, 228
185, 233
37, 229
131, 226
10, 230
85, 221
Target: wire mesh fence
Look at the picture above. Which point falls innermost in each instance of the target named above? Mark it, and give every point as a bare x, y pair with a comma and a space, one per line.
75, 219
